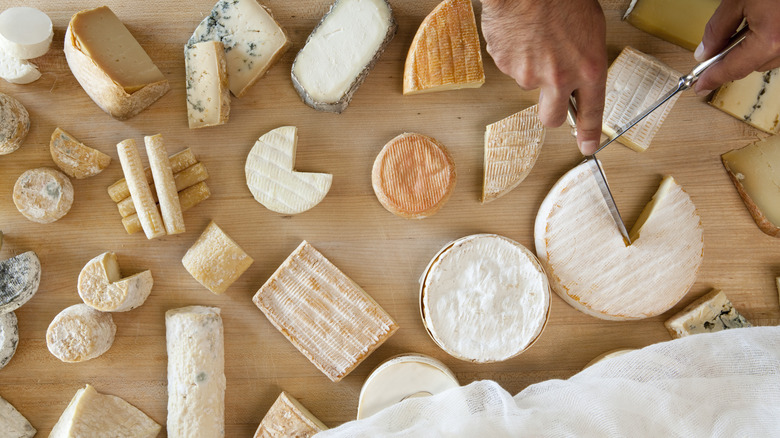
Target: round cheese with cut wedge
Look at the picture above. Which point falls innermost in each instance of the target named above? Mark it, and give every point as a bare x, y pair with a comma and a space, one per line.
102, 287
14, 124
80, 333
9, 338
43, 195
591, 267
484, 298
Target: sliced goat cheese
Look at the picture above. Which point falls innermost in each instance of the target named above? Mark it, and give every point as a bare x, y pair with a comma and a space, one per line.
25, 32
18, 71
80, 333
102, 287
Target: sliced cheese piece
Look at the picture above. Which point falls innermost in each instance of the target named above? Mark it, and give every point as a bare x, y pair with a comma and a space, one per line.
272, 179
184, 179
20, 277
43, 195
680, 22
608, 355
289, 418
445, 52
179, 161
634, 82
102, 287
413, 176
164, 184
196, 372
9, 339
25, 32
253, 40
80, 333
215, 260
14, 124
74, 158
18, 71
92, 414
341, 51
139, 189
208, 95
188, 198
755, 171
110, 65
588, 262
712, 312
754, 99
323, 313
512, 146
12, 423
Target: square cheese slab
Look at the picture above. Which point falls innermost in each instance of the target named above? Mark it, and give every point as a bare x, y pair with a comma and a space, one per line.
289, 418
215, 260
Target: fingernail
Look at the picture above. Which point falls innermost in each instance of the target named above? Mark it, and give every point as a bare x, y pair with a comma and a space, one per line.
588, 147
699, 53
703, 93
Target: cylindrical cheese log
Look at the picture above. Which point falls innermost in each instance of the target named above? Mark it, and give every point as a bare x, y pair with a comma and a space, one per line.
150, 218
188, 198
164, 184
184, 179
179, 161
196, 372
80, 333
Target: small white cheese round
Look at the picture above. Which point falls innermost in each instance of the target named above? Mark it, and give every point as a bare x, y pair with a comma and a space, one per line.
25, 32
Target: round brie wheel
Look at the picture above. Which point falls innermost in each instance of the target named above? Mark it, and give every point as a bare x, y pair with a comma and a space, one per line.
25, 32
9, 337
43, 195
484, 298
402, 377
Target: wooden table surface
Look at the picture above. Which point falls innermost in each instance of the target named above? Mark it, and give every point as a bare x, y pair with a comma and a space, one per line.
383, 253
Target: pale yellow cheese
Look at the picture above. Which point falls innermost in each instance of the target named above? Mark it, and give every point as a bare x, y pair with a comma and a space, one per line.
712, 312
139, 189
680, 22
164, 184
102, 287
754, 99
208, 95
215, 260
43, 195
179, 161
184, 179
74, 158
80, 333
288, 418
188, 198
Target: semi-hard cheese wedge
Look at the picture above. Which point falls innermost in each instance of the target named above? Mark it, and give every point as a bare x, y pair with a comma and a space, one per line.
634, 82
512, 146
184, 179
74, 158
25, 32
272, 179
445, 53
92, 414
188, 198
43, 195
12, 423
110, 65
680, 22
196, 372
9, 339
323, 313
754, 99
149, 215
215, 260
80, 333
588, 262
20, 277
164, 184
253, 40
289, 418
712, 312
755, 171
18, 71
14, 124
208, 95
179, 161
340, 52
102, 287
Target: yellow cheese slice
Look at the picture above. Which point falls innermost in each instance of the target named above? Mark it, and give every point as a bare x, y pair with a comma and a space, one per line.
215, 260
102, 287
289, 418
754, 99
74, 158
680, 22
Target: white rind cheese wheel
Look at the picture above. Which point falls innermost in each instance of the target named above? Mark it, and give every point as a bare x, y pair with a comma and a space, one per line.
9, 338
80, 333
14, 124
43, 195
588, 262
13, 424
20, 277
102, 287
25, 33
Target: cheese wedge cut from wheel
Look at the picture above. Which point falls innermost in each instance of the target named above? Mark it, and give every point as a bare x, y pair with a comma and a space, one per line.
80, 333
93, 414
20, 277
215, 260
25, 32
289, 418
272, 179
341, 51
18, 71
588, 262
74, 158
712, 312
12, 423
9, 339
445, 53
110, 65
14, 124
679, 22
43, 195
754, 99
179, 161
512, 146
102, 287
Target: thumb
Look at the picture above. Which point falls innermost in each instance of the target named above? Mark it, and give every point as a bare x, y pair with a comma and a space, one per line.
723, 24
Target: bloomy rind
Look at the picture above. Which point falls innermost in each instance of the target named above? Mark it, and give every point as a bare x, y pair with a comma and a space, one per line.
14, 124
9, 338
74, 158
20, 277
101, 286
38, 203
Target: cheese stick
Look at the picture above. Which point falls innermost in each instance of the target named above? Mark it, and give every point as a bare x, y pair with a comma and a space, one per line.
139, 189
184, 179
179, 161
164, 184
188, 198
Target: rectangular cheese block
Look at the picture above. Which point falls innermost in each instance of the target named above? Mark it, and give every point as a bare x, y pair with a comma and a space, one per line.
289, 418
179, 161
208, 95
12, 423
215, 260
323, 313
754, 99
711, 313
680, 22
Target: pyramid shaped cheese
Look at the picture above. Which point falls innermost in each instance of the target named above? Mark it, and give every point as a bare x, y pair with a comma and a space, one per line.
445, 53
588, 262
512, 146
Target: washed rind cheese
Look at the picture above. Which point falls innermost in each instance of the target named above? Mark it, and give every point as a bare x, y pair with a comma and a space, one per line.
9, 340
102, 287
179, 161
215, 260
754, 99
18, 71
12, 423
341, 51
188, 198
25, 32
679, 22
92, 414
289, 418
80, 333
74, 158
323, 313
14, 124
712, 312
208, 95
20, 277
43, 195
588, 262
445, 53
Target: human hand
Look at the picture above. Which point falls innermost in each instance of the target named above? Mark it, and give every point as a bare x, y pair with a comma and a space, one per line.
559, 47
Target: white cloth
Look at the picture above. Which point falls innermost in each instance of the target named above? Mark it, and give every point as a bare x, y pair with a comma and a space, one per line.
724, 384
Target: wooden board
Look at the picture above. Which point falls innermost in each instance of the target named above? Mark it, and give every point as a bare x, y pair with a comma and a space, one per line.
382, 253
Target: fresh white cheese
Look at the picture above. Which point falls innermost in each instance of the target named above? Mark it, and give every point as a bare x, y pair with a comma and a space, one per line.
102, 287
25, 32
19, 280
754, 99
17, 71
9, 337
80, 333
12, 423
712, 312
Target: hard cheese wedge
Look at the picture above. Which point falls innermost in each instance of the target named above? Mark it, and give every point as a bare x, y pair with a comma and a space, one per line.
512, 146
20, 277
588, 262
102, 287
9, 339
80, 333
208, 95
712, 312
14, 424
445, 53
754, 99
289, 418
14, 124
215, 260
74, 158
323, 313
680, 22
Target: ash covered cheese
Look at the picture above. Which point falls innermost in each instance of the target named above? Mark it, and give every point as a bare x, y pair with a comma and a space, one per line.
12, 423
9, 338
711, 313
754, 99
20, 277
80, 333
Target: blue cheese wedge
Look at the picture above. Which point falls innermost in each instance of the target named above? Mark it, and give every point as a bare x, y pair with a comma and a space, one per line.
711, 313
754, 99
19, 280
208, 95
289, 418
9, 338
12, 423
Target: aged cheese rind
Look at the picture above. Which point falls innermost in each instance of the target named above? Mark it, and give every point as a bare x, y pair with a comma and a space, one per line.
179, 161
679, 22
164, 184
287, 417
188, 198
341, 51
43, 195
14, 124
754, 99
589, 264
215, 260
208, 95
18, 71
12, 423
79, 333
182, 180
25, 32
9, 340
20, 277
323, 313
196, 372
74, 158
102, 287
712, 312
148, 214
608, 355
445, 53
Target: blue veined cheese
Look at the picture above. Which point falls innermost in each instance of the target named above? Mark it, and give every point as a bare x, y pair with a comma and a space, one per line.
711, 313
253, 40
9, 338
208, 95
12, 423
19, 280
754, 99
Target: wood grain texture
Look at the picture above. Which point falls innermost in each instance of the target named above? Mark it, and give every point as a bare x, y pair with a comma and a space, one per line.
384, 254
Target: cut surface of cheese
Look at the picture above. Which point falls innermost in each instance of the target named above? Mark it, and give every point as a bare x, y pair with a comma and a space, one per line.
340, 52
43, 195
164, 184
253, 40
512, 146
13, 424
80, 333
712, 312
413, 176
179, 161
20, 277
9, 339
588, 262
323, 313
14, 124
272, 179
485, 298
18, 71
102, 287
289, 418
215, 260
755, 171
25, 32
754, 99
148, 214
208, 95
680, 22
445, 52
634, 82
188, 198
74, 158
92, 414
184, 179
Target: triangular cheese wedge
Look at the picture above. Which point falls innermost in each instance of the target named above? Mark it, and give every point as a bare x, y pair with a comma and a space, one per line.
74, 158
445, 53
710, 313
588, 262
289, 418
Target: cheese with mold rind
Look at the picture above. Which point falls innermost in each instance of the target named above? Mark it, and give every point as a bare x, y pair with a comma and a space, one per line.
79, 333
289, 418
712, 312
12, 423
14, 124
20, 277
101, 286
754, 99
74, 158
9, 340
43, 195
